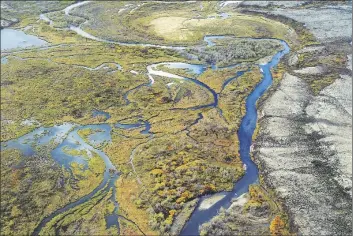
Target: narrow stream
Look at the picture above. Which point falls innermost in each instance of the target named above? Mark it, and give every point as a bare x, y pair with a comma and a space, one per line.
84, 34
193, 69
65, 137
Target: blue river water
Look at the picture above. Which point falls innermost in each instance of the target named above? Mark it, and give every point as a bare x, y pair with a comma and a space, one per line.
74, 141
245, 133
64, 138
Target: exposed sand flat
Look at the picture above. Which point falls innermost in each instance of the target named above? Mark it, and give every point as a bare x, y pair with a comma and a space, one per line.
239, 201
314, 70
151, 71
233, 3
209, 202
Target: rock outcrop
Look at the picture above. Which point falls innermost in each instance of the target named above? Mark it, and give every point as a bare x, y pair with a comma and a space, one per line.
304, 147
304, 153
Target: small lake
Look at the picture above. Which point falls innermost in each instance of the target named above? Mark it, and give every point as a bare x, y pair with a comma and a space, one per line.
192, 68
3, 60
97, 113
11, 39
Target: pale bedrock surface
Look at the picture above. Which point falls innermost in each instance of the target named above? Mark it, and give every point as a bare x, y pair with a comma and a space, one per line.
304, 152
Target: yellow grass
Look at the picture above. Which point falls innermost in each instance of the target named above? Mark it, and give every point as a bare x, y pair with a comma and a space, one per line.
215, 79
129, 192
171, 28
176, 28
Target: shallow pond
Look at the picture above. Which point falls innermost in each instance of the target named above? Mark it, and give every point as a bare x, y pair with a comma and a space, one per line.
104, 114
191, 68
4, 60
11, 39
28, 143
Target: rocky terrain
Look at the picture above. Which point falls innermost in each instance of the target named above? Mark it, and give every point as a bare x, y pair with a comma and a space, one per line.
304, 145
306, 158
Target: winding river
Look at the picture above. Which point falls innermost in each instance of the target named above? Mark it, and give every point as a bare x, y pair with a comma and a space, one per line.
66, 136
74, 141
245, 133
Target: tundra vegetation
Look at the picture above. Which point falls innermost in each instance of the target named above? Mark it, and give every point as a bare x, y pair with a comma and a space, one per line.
27, 12
33, 187
329, 61
187, 153
227, 52
185, 160
173, 23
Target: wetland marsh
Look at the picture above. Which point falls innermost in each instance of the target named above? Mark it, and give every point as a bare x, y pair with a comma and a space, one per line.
115, 124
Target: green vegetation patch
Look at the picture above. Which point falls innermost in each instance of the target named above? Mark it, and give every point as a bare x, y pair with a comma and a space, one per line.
52, 85
86, 219
172, 23
27, 12
75, 152
33, 187
215, 79
176, 171
232, 99
231, 51
332, 58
